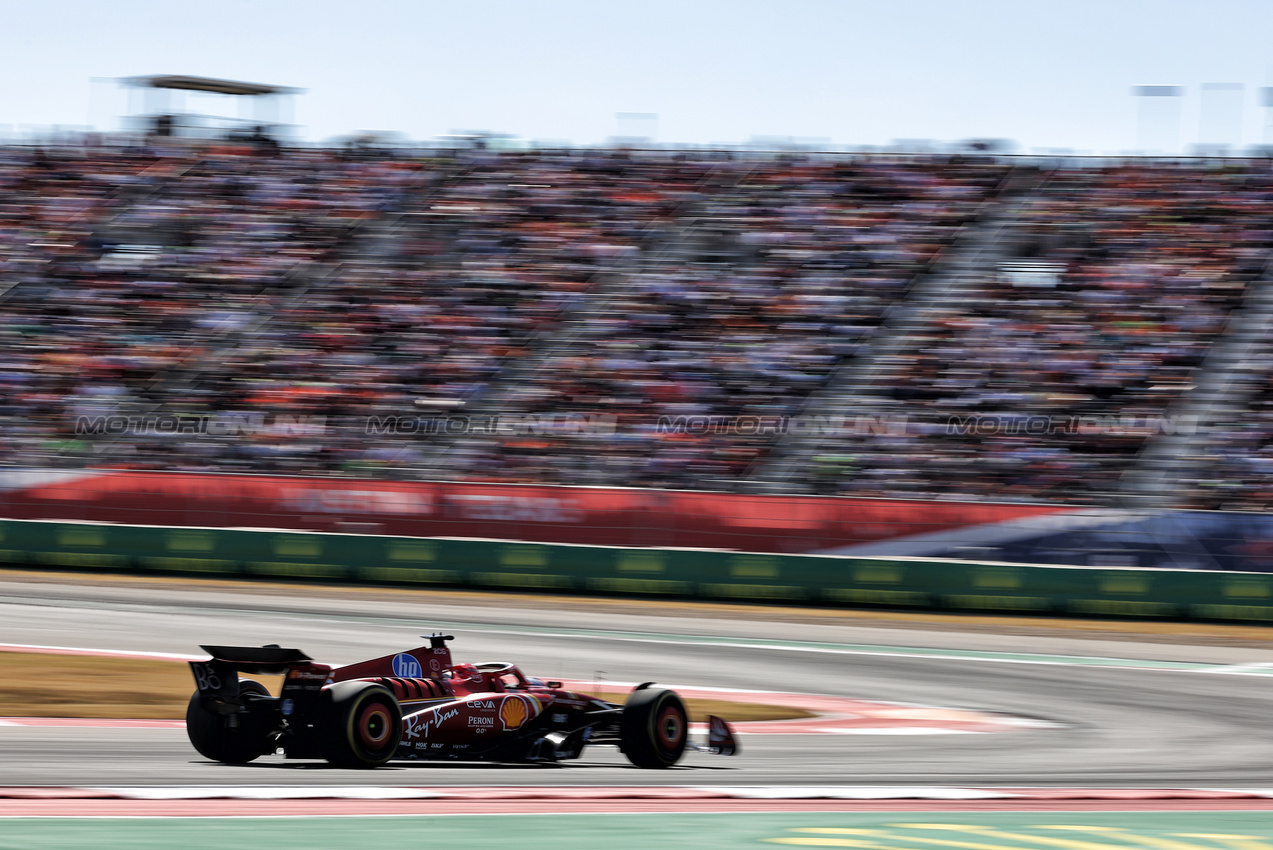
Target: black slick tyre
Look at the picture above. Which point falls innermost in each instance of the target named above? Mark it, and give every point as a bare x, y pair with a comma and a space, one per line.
362, 724
653, 728
214, 738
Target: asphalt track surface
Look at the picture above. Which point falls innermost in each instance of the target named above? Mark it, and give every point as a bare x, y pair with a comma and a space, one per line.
1110, 727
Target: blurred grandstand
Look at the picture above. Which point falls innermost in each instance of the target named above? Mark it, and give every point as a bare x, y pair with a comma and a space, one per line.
972, 327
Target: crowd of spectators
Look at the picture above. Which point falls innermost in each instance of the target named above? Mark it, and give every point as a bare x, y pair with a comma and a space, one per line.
471, 272
1231, 464
775, 279
123, 271
314, 287
1066, 381
314, 291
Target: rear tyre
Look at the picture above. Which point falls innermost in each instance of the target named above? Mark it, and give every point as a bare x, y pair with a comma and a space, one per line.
214, 737
654, 728
363, 724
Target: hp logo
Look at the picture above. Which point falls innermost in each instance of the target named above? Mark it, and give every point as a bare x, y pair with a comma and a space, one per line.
406, 667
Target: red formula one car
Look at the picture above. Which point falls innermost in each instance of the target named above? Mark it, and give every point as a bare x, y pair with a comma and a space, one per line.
419, 705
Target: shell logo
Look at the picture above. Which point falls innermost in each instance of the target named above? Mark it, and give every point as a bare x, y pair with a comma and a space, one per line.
517, 709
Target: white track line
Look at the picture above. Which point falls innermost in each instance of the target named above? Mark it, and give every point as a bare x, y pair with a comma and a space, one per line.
107, 653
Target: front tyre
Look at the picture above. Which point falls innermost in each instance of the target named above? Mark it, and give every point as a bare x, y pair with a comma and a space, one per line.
654, 728
214, 737
363, 724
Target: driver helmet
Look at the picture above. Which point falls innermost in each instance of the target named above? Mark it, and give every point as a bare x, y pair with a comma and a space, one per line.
469, 672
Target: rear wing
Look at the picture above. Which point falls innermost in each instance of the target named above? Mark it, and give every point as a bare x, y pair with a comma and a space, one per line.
266, 660
218, 678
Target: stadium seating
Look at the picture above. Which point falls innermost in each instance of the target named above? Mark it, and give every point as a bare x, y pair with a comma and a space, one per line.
642, 291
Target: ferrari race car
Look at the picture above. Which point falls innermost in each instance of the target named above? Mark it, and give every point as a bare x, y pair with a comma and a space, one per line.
419, 705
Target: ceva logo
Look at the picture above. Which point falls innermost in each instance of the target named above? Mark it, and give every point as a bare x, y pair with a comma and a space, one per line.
406, 667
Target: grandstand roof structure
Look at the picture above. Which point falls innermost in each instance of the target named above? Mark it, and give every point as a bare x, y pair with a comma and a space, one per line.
166, 111
209, 84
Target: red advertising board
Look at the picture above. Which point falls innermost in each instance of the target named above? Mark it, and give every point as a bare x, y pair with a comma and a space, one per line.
585, 515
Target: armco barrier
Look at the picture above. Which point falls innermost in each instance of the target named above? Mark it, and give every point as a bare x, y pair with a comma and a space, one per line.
702, 573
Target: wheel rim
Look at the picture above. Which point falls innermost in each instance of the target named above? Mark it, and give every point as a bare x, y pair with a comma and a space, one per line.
670, 728
374, 726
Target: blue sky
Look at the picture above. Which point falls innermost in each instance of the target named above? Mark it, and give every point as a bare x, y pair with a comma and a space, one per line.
1048, 75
